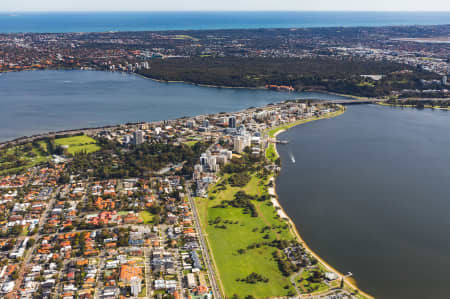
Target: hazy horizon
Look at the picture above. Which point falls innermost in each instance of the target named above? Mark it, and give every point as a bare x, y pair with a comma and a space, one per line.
230, 5
218, 10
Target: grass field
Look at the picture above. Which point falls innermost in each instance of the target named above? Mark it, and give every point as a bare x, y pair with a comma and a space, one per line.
78, 144
21, 157
191, 143
183, 36
271, 154
245, 230
146, 216
309, 286
28, 155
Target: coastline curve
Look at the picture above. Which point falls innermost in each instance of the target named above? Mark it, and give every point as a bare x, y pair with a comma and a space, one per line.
351, 283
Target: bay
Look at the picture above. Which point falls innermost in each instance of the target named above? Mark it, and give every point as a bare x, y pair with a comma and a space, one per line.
43, 101
369, 193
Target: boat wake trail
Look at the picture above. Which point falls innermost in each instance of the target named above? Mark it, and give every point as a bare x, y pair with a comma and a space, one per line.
292, 157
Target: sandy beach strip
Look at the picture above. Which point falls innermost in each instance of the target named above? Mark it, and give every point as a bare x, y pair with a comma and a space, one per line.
282, 213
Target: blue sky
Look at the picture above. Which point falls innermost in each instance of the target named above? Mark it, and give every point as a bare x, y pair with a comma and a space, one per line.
228, 5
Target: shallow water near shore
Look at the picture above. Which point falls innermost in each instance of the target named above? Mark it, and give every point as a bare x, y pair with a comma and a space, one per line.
368, 193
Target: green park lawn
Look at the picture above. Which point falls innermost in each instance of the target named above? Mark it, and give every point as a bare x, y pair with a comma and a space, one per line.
31, 154
271, 154
225, 242
146, 216
309, 286
29, 158
78, 144
191, 143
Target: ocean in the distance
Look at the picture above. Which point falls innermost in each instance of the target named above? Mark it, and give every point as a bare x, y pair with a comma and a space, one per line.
154, 21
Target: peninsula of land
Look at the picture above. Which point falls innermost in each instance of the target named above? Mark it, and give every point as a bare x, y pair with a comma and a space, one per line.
177, 208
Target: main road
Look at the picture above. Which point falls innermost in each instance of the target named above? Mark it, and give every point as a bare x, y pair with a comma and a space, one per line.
204, 247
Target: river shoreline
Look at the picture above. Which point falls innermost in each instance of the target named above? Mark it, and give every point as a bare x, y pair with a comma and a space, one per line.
186, 82
201, 85
23, 138
412, 106
350, 282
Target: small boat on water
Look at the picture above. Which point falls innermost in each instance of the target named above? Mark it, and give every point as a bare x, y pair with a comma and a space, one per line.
292, 158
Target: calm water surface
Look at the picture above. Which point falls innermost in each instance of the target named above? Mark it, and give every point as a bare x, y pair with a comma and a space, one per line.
370, 193
138, 21
42, 101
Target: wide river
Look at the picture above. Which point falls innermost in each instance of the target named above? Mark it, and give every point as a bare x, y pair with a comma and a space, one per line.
42, 101
369, 192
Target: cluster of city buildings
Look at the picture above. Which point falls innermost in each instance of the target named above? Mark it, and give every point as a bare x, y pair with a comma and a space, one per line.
246, 131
